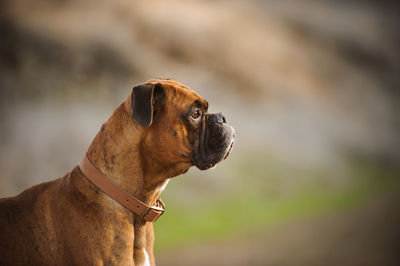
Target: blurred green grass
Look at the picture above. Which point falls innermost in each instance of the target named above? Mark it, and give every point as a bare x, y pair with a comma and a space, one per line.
254, 208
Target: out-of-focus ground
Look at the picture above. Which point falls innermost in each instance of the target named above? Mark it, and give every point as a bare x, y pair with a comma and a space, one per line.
311, 87
360, 237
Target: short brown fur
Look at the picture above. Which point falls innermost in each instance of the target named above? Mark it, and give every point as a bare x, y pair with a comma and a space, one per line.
69, 221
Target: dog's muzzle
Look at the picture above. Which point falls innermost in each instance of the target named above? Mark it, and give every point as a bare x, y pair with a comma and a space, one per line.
216, 140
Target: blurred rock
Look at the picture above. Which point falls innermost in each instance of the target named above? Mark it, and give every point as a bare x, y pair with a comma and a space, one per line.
309, 82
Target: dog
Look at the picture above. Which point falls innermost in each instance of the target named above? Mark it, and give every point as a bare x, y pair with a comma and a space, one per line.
102, 211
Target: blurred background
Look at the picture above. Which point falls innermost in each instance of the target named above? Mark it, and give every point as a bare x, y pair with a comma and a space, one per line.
311, 87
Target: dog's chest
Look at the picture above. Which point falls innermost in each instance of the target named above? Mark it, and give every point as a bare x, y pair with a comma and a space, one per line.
143, 242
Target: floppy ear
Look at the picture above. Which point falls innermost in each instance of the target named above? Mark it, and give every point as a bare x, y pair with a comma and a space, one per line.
144, 99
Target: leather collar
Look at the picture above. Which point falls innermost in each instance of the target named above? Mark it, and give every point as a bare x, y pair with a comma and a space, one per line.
148, 213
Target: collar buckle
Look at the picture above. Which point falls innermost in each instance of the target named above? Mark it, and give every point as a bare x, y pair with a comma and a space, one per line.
151, 214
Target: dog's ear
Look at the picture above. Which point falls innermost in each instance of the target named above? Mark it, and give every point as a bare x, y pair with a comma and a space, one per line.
145, 97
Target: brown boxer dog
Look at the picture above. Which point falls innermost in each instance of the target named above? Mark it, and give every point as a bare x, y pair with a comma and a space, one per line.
160, 131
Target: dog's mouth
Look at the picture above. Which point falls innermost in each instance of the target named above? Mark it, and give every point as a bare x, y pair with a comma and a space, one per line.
227, 151
215, 143
231, 145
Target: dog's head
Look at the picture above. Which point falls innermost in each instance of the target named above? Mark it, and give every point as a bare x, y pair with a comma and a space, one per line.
177, 124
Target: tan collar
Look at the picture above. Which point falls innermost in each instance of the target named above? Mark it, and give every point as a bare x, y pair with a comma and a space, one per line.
136, 206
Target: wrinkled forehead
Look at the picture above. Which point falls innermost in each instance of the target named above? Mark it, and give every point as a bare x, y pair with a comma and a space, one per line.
180, 94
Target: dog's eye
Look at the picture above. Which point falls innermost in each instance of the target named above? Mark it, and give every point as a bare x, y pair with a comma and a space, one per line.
195, 115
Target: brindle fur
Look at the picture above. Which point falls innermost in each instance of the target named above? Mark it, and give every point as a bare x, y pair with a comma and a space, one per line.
69, 221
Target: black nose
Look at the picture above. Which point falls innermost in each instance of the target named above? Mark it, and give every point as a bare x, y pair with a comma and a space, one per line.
219, 118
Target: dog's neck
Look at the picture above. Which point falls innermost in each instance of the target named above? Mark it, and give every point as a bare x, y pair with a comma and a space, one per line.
124, 162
